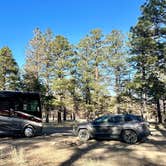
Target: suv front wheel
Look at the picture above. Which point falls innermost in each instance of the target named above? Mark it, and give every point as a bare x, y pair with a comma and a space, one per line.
83, 134
28, 131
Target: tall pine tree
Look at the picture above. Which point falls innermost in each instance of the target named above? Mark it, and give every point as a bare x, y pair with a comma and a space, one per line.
9, 70
148, 47
61, 63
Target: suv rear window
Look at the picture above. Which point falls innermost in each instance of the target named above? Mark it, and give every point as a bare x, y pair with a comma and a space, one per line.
133, 117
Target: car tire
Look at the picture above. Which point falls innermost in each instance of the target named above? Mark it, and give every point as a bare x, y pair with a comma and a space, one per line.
84, 135
28, 131
129, 136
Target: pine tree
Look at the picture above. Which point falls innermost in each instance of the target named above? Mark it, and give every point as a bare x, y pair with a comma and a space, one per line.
85, 68
155, 12
148, 45
117, 64
61, 62
74, 86
38, 67
46, 68
91, 71
34, 54
9, 70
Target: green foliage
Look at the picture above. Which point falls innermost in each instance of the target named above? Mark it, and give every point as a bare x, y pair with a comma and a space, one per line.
147, 43
9, 71
34, 54
61, 60
31, 83
100, 57
117, 64
148, 47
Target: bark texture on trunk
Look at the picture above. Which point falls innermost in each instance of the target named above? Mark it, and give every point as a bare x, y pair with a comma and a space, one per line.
159, 111
47, 117
144, 109
64, 113
96, 73
59, 117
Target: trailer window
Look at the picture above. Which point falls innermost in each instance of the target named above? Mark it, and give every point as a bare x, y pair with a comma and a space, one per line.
4, 108
31, 106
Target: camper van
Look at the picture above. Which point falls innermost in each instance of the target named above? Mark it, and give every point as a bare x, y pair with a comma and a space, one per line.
20, 113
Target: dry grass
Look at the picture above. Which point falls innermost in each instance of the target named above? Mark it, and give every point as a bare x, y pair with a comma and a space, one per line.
48, 154
18, 157
90, 162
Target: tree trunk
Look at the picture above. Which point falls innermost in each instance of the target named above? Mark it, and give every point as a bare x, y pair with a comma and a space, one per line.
117, 90
164, 107
75, 108
73, 116
4, 79
143, 109
96, 73
59, 117
60, 110
64, 113
159, 111
117, 105
47, 116
144, 92
88, 95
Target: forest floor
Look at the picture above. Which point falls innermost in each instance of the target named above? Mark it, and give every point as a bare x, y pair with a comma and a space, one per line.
58, 147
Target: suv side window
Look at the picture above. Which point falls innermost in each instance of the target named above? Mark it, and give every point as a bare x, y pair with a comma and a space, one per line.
111, 120
115, 119
128, 118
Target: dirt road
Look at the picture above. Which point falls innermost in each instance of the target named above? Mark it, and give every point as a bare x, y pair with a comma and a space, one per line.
58, 147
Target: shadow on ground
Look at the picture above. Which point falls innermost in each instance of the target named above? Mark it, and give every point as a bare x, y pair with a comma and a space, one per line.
115, 154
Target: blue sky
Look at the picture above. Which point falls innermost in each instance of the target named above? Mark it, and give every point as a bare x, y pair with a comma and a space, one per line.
71, 18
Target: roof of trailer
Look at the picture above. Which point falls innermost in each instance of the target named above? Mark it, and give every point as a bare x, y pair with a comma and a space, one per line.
17, 93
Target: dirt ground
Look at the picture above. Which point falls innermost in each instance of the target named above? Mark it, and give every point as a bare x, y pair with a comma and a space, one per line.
58, 147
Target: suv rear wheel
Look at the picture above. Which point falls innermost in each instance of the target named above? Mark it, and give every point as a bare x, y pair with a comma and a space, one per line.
129, 136
83, 134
